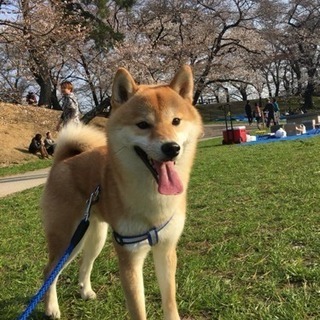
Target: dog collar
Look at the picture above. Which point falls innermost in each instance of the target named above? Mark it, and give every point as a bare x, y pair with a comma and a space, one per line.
151, 235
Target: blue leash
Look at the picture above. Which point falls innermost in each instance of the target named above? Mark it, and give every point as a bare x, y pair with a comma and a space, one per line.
77, 236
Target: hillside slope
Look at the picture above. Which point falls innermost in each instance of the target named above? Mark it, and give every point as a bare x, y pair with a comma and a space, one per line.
19, 124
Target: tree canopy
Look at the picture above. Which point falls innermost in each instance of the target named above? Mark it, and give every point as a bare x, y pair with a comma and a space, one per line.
245, 48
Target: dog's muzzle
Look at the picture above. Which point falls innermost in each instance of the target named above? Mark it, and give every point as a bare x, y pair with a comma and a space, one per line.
170, 150
147, 161
167, 177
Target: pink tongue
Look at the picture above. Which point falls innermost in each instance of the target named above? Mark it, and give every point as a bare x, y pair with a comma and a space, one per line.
169, 181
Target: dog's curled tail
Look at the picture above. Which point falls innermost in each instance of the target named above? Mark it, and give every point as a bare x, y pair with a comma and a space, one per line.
77, 138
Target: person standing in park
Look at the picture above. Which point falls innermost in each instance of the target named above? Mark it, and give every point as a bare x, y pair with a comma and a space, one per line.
276, 111
270, 113
248, 111
257, 114
69, 105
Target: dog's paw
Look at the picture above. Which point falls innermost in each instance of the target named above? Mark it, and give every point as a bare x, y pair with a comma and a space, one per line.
88, 294
53, 313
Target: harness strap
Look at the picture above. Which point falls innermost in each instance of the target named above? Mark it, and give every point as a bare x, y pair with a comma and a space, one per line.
151, 235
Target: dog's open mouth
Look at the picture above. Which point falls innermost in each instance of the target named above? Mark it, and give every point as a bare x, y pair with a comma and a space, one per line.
168, 180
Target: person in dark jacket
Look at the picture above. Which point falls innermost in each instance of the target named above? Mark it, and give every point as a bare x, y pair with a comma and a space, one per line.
269, 109
37, 145
31, 98
248, 111
276, 111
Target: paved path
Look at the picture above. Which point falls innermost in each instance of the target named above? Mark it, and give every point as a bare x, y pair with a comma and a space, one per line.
17, 183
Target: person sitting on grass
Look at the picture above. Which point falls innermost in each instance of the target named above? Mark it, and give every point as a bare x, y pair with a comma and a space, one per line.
301, 129
37, 145
31, 98
49, 143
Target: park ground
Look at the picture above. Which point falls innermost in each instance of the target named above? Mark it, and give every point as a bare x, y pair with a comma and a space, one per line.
19, 124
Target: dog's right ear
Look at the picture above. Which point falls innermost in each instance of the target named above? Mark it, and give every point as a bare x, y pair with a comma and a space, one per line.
123, 87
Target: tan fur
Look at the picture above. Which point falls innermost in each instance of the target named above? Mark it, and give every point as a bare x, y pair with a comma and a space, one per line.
129, 201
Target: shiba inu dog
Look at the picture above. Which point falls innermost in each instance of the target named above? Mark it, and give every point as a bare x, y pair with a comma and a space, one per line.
142, 167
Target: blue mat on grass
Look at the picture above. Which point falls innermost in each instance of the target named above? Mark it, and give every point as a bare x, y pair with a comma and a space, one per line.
269, 138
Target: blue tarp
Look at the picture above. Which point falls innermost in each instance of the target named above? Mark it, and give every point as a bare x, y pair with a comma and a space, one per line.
271, 138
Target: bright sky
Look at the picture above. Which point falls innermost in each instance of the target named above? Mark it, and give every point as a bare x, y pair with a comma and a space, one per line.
7, 12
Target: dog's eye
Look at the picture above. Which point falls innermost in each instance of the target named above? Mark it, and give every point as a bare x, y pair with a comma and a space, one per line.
176, 121
143, 125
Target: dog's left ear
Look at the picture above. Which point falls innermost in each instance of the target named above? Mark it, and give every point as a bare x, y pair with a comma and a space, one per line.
123, 87
183, 83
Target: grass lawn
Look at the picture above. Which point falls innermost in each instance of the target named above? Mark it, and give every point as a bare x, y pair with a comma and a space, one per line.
25, 167
250, 249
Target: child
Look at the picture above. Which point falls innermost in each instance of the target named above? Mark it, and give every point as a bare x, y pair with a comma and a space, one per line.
70, 107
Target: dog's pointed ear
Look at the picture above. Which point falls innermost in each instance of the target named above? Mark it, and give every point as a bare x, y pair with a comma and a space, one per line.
123, 87
183, 83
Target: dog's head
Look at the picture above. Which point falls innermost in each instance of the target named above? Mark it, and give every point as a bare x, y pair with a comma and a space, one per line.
159, 125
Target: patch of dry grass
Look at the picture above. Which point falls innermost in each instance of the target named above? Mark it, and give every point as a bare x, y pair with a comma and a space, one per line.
19, 124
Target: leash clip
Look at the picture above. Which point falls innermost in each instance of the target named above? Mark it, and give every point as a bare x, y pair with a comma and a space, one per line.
94, 197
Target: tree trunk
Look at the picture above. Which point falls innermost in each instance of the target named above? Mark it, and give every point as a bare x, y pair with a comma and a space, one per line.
198, 91
295, 67
244, 94
54, 100
308, 102
104, 104
308, 93
277, 89
201, 83
45, 92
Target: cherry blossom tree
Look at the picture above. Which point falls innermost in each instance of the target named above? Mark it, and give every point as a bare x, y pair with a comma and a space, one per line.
209, 35
304, 26
247, 47
51, 35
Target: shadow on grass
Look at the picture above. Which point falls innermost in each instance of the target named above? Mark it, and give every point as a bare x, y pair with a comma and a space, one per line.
23, 150
26, 151
11, 309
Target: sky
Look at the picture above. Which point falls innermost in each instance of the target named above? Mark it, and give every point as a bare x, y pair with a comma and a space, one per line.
7, 12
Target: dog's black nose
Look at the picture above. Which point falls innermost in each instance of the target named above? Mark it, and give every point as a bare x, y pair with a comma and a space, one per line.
170, 149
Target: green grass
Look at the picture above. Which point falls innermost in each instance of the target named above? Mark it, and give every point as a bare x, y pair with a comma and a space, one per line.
250, 248
25, 167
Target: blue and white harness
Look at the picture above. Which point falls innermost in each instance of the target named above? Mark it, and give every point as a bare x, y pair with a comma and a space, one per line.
151, 235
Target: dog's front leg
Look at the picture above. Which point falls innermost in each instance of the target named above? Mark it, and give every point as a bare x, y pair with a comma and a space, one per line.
131, 275
165, 260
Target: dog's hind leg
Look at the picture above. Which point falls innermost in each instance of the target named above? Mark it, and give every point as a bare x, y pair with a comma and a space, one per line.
52, 309
165, 260
51, 299
92, 246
